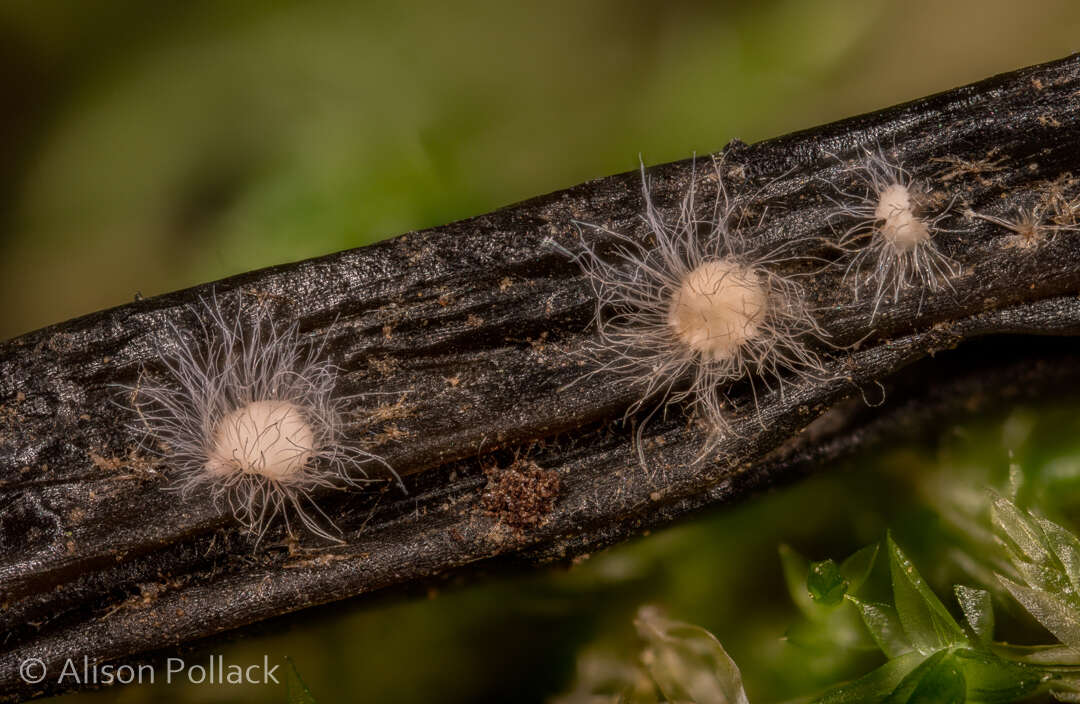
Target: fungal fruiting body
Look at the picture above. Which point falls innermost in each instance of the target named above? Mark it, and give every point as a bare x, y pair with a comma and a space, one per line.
269, 438
1027, 226
692, 309
893, 234
251, 415
718, 308
1031, 226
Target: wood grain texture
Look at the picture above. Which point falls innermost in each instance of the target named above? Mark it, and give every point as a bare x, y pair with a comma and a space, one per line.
474, 332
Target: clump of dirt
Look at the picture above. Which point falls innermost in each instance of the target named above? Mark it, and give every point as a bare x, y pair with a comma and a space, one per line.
522, 494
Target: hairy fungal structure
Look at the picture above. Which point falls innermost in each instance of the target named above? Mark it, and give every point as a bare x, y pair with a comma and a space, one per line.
252, 417
684, 316
892, 236
1032, 226
1027, 226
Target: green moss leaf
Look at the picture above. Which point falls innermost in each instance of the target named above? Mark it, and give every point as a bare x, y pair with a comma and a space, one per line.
796, 568
687, 662
856, 568
1018, 532
1046, 558
825, 583
992, 680
967, 675
926, 622
875, 686
298, 691
978, 610
1065, 548
938, 680
884, 626
603, 678
1055, 613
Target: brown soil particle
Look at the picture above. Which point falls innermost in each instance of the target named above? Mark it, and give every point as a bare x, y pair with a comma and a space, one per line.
522, 494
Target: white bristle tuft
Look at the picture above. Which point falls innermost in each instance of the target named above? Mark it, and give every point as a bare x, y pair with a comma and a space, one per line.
892, 238
698, 309
252, 417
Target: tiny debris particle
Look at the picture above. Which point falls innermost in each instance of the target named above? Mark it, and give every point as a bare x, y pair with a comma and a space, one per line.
520, 495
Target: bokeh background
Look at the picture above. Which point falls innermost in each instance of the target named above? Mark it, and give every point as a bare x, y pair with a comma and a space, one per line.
147, 147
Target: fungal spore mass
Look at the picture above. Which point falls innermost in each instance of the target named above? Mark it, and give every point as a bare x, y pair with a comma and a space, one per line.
718, 308
270, 438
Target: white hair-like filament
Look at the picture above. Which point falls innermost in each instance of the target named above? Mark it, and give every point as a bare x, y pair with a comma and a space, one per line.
892, 237
250, 414
1032, 226
636, 339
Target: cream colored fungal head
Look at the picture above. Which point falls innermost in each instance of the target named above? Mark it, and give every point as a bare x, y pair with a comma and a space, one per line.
269, 438
894, 200
251, 418
719, 306
904, 231
689, 307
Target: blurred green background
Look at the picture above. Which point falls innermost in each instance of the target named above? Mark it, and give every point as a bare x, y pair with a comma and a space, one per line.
152, 146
